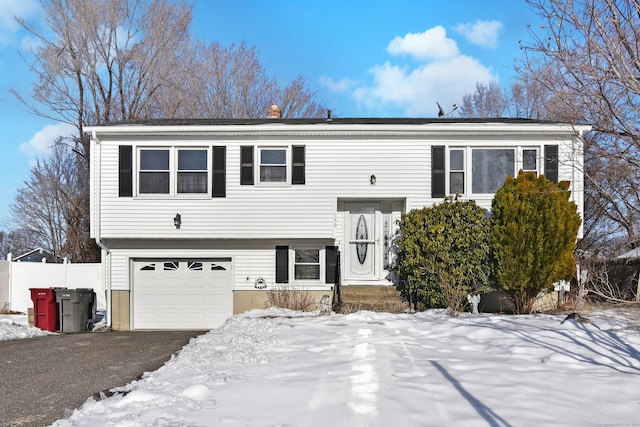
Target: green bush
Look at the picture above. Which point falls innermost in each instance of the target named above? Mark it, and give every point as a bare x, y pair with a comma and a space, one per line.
533, 236
444, 253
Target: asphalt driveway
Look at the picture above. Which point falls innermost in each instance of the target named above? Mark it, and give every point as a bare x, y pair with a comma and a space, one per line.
44, 379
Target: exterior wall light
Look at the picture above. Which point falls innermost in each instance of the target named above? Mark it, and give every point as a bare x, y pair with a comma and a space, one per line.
372, 180
177, 220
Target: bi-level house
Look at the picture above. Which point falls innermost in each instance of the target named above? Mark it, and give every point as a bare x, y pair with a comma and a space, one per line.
198, 219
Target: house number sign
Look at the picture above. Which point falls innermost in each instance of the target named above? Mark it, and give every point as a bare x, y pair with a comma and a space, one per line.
260, 283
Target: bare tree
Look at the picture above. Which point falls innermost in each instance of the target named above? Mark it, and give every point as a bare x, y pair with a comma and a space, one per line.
525, 98
50, 203
587, 57
489, 100
16, 242
298, 101
105, 60
230, 82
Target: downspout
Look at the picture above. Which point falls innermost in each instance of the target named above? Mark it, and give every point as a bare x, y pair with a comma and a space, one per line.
95, 159
578, 190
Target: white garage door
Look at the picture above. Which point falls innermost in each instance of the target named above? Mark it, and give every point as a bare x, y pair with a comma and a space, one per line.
181, 294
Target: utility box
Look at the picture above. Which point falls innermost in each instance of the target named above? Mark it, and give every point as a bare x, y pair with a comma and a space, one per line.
45, 308
76, 307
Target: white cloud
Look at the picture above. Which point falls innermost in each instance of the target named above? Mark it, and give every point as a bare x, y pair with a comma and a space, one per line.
442, 75
481, 33
417, 90
432, 44
9, 9
337, 86
41, 143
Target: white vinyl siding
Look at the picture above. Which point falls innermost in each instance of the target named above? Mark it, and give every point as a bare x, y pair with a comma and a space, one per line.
336, 168
251, 261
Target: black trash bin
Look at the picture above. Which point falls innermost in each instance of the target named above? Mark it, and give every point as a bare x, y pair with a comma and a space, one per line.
77, 309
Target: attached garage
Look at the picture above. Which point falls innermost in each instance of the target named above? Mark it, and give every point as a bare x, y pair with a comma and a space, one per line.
194, 294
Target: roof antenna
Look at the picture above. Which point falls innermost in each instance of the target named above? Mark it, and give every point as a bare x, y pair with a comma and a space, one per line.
442, 114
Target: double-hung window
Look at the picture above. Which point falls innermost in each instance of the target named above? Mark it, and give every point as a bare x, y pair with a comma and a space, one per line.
456, 171
306, 263
174, 171
530, 160
154, 175
193, 172
273, 164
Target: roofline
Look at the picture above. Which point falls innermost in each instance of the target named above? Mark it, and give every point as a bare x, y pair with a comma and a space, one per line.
375, 126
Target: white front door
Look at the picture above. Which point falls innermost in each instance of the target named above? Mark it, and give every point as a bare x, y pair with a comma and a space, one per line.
362, 251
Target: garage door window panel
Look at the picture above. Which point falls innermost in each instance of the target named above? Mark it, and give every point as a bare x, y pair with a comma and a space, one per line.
171, 266
194, 266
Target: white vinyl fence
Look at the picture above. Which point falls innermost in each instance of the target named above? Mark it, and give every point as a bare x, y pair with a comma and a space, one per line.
16, 278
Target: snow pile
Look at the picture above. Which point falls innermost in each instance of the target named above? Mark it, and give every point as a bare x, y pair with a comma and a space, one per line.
15, 327
277, 368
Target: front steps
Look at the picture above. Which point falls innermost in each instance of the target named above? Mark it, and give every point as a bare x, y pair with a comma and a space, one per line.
372, 298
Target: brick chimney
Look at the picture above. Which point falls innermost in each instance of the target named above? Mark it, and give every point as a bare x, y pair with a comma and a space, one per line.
274, 112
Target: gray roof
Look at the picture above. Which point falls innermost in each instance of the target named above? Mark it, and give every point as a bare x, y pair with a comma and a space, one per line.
633, 253
347, 121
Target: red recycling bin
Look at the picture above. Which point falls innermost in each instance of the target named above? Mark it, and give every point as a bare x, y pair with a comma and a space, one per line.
45, 308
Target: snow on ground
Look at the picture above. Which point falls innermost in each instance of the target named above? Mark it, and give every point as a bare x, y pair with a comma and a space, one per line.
282, 368
15, 327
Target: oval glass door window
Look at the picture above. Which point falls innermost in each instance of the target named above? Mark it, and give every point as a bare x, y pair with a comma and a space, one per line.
361, 234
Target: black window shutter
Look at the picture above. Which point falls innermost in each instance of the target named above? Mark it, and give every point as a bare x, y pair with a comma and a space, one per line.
297, 170
331, 264
551, 162
437, 172
125, 171
282, 264
246, 165
219, 175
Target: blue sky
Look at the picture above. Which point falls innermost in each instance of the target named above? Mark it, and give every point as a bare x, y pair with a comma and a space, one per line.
365, 58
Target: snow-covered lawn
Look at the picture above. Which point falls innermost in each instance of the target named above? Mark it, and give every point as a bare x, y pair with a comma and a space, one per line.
15, 327
282, 368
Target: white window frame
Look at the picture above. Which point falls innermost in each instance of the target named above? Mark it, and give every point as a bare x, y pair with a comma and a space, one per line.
139, 170
321, 262
287, 165
450, 169
173, 172
538, 158
208, 170
468, 164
